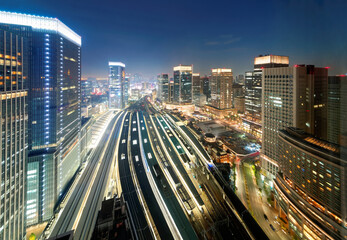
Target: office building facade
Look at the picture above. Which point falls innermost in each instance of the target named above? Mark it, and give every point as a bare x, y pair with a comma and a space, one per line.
125, 90
337, 109
163, 87
86, 90
311, 186
171, 90
14, 73
221, 83
54, 111
116, 84
292, 97
253, 90
182, 88
196, 89
205, 81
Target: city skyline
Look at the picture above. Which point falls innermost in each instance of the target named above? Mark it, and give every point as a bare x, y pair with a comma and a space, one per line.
173, 120
140, 34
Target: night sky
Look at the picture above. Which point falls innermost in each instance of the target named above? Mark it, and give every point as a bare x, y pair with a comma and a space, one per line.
151, 37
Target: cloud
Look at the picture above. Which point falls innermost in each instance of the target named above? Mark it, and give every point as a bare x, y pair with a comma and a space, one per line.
223, 40
232, 40
212, 43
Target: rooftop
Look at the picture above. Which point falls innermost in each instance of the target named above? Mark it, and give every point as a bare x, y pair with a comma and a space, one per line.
40, 23
183, 68
319, 147
116, 64
271, 59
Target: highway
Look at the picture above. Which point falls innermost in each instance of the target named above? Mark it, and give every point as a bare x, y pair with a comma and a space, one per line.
185, 229
137, 161
142, 229
81, 209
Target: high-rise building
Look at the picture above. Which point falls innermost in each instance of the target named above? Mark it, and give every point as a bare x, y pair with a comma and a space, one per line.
337, 109
221, 83
163, 87
253, 90
116, 84
86, 90
292, 97
182, 89
205, 81
125, 91
239, 104
197, 89
54, 110
240, 79
310, 187
14, 73
171, 90
237, 91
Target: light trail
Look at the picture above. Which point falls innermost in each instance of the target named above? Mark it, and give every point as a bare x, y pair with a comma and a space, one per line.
174, 165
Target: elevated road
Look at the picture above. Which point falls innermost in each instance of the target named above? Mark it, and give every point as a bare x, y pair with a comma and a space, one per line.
150, 200
142, 228
81, 209
176, 212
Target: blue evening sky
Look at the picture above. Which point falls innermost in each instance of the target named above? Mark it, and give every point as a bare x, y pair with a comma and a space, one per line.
152, 36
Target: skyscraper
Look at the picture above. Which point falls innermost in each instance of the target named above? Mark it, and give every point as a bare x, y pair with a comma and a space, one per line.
205, 81
292, 97
116, 84
171, 90
182, 89
54, 110
253, 90
14, 72
337, 109
163, 87
197, 90
86, 90
125, 91
221, 82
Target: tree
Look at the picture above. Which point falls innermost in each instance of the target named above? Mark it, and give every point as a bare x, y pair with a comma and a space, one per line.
32, 236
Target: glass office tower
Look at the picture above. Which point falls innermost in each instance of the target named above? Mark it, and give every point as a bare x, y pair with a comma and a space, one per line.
182, 89
14, 71
221, 83
126, 85
54, 111
163, 87
116, 84
196, 89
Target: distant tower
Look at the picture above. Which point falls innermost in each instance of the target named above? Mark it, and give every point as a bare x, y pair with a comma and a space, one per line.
221, 87
116, 84
197, 89
163, 87
125, 91
337, 109
253, 89
182, 90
